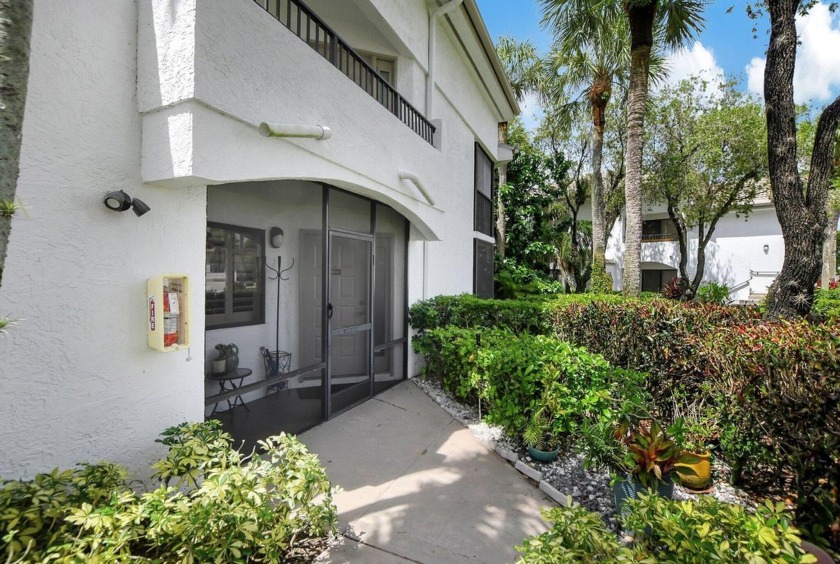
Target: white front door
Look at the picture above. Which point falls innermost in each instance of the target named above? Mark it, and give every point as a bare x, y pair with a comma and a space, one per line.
350, 317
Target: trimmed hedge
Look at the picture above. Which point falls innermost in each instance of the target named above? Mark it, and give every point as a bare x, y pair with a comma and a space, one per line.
777, 384
465, 311
511, 375
780, 398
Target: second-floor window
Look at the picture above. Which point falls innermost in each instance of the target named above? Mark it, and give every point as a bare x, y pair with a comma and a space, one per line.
483, 192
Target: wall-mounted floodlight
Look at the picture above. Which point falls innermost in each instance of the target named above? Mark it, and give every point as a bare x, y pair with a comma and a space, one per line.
119, 201
319, 132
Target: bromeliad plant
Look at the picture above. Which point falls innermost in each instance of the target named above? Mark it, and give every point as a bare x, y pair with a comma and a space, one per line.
652, 456
642, 451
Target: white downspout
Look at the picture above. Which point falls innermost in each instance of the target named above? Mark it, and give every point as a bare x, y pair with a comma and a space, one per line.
430, 74
430, 87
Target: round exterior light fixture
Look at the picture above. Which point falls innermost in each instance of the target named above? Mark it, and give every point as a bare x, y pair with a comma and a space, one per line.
766, 249
119, 201
275, 237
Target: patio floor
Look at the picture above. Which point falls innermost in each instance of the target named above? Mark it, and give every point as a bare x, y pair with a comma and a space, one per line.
419, 487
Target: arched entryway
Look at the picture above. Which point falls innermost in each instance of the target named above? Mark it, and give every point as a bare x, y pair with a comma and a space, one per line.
344, 335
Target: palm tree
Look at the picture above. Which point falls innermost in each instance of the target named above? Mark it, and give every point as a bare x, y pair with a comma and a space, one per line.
675, 21
589, 57
15, 30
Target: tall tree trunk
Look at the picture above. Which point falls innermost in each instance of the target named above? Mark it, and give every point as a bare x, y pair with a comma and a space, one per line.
829, 270
641, 19
501, 225
15, 31
801, 210
599, 96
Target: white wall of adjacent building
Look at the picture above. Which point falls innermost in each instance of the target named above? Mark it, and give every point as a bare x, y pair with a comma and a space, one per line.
735, 256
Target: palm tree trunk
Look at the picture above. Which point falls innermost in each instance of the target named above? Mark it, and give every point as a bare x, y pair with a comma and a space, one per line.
801, 209
15, 31
600, 282
829, 270
501, 225
641, 19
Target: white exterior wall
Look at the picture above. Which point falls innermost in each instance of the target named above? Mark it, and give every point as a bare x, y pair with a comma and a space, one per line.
735, 252
78, 381
161, 98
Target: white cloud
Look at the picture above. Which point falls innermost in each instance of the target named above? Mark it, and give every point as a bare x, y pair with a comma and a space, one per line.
817, 74
755, 75
697, 61
532, 112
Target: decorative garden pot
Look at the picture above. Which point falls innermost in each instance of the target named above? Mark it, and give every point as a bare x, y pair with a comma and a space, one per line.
543, 455
702, 476
219, 366
231, 358
630, 488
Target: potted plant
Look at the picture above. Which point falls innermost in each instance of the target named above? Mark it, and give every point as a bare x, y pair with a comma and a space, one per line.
540, 437
220, 362
696, 428
641, 458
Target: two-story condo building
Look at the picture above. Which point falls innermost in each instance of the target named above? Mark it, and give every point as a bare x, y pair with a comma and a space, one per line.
299, 174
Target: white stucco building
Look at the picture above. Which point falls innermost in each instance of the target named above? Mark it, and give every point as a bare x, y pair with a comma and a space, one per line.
163, 99
745, 254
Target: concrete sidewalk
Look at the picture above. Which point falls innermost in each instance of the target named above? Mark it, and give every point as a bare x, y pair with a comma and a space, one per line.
419, 487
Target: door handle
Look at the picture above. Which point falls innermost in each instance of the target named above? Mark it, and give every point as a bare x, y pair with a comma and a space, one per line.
329, 310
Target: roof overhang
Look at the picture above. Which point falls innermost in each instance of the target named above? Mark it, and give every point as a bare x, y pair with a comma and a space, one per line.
468, 24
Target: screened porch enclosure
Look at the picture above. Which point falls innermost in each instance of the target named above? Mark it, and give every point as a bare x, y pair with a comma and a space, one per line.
315, 345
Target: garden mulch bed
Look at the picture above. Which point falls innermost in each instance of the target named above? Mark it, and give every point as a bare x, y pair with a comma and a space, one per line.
567, 475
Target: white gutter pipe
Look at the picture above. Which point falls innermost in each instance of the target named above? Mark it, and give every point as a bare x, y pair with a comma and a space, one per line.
430, 87
414, 179
318, 132
430, 75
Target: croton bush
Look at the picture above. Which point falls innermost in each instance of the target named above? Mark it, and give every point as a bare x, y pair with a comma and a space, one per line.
212, 504
780, 398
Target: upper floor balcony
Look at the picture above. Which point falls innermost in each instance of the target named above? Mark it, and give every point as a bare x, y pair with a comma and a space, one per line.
307, 26
658, 231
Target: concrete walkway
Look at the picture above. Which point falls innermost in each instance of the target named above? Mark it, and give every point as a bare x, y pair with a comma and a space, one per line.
419, 487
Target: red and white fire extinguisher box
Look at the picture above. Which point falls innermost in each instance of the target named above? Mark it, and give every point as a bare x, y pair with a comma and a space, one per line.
167, 312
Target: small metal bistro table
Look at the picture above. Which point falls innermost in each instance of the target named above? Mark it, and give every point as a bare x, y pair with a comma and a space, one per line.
228, 382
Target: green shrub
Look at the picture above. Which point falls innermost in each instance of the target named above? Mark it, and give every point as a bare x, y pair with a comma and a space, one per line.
231, 508
784, 379
514, 375
713, 293
670, 531
827, 304
466, 311
513, 281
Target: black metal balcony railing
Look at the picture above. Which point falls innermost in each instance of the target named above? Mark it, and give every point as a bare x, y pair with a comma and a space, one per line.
658, 237
301, 21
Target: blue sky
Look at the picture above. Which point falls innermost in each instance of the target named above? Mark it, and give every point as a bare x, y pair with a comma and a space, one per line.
726, 46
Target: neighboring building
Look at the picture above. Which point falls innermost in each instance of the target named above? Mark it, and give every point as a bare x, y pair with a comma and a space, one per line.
745, 253
163, 100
